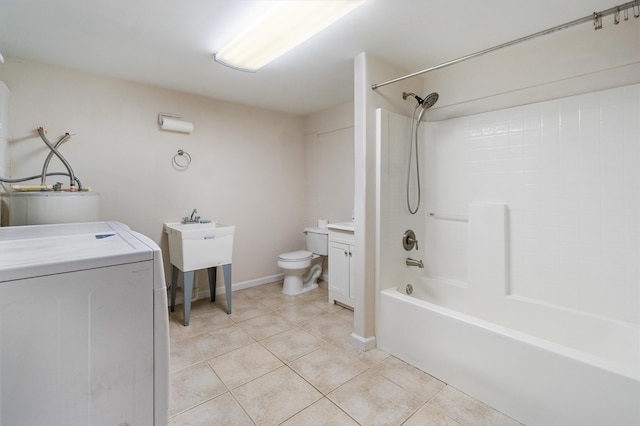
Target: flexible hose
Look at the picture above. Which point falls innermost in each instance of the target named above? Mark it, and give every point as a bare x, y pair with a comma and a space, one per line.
413, 140
57, 153
48, 159
18, 180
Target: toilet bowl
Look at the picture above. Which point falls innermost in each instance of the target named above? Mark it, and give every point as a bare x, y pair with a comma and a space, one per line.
301, 271
302, 268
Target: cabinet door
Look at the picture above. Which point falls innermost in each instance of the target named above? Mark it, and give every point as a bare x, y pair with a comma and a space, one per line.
339, 268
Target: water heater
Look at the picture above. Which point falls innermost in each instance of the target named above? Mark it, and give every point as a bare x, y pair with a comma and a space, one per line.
47, 207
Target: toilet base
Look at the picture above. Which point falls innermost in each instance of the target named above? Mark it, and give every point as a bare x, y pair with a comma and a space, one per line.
293, 286
295, 283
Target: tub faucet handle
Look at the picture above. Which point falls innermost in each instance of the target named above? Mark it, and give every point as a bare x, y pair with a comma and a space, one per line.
413, 241
409, 240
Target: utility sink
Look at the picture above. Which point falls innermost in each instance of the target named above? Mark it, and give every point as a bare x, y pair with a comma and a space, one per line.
199, 245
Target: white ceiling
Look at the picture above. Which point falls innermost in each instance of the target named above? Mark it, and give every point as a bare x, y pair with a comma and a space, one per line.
170, 43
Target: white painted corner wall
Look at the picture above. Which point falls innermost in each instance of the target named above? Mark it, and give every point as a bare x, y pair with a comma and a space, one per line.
249, 165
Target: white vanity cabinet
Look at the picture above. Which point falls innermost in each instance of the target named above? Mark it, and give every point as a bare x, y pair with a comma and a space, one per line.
341, 263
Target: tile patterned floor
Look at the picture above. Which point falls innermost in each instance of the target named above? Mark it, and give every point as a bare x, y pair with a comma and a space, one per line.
287, 360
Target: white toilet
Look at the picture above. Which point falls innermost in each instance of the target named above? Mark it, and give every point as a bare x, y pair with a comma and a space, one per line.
303, 267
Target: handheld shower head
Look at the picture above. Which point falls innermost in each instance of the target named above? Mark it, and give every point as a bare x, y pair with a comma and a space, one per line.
423, 105
429, 100
426, 102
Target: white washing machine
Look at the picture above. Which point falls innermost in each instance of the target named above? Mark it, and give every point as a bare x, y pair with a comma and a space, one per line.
84, 334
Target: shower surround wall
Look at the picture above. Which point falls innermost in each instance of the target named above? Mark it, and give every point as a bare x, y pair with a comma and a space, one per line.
569, 172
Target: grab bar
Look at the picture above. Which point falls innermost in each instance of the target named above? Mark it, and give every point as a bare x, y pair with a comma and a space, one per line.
449, 217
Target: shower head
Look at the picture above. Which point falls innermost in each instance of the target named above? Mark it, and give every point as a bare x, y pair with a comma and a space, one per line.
429, 100
425, 103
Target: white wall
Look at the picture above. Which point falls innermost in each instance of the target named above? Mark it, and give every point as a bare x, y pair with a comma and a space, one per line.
246, 165
329, 165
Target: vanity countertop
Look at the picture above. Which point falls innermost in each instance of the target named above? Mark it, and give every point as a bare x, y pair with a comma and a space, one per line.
342, 226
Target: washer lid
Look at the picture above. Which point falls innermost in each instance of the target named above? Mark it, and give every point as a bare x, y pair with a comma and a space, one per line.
37, 250
296, 256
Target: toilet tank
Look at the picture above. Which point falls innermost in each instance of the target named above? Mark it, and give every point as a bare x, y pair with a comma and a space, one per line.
317, 240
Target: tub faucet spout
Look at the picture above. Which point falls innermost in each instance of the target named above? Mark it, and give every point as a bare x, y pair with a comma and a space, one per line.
414, 262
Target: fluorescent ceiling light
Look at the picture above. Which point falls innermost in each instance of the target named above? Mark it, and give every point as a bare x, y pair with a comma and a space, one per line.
283, 26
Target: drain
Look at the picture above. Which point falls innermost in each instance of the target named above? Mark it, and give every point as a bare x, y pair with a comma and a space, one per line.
409, 289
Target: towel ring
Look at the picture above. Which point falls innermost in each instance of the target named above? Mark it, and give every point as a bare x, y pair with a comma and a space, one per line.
181, 160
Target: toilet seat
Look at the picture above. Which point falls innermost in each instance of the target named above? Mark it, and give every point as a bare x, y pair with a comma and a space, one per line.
295, 256
295, 260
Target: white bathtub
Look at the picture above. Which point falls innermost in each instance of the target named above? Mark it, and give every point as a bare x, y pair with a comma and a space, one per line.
526, 372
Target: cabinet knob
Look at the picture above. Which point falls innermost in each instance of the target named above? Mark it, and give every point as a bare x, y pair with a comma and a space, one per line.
345, 253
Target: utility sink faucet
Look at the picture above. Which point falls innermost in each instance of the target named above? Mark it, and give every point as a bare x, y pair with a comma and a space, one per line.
193, 218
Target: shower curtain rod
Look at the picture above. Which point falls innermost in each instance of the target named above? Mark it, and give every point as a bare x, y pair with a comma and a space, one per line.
596, 17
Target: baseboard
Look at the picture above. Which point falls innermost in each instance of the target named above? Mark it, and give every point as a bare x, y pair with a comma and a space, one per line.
363, 343
205, 293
